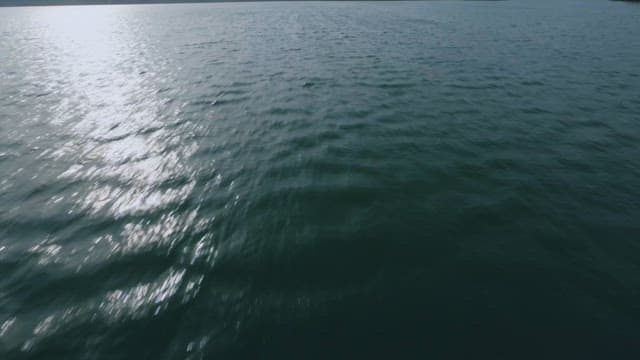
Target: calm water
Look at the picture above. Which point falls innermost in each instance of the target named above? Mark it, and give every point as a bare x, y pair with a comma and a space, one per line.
320, 180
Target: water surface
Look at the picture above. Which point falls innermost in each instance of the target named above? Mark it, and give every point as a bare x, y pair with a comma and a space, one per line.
320, 180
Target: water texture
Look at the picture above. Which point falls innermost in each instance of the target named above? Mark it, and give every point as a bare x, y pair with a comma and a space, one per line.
320, 180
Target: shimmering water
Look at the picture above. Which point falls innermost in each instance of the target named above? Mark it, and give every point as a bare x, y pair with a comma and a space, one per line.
320, 180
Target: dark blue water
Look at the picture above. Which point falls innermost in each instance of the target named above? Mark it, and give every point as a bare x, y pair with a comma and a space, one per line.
320, 180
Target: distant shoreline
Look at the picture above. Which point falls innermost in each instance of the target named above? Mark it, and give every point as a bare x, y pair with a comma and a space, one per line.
30, 3
4, 3
105, 2
156, 2
160, 2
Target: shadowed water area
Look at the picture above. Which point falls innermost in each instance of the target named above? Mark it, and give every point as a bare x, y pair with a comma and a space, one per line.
320, 180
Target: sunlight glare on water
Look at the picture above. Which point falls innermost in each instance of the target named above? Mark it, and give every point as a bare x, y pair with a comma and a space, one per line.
113, 114
114, 139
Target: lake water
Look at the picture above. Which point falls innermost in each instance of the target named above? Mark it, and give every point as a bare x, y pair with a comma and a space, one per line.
320, 180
